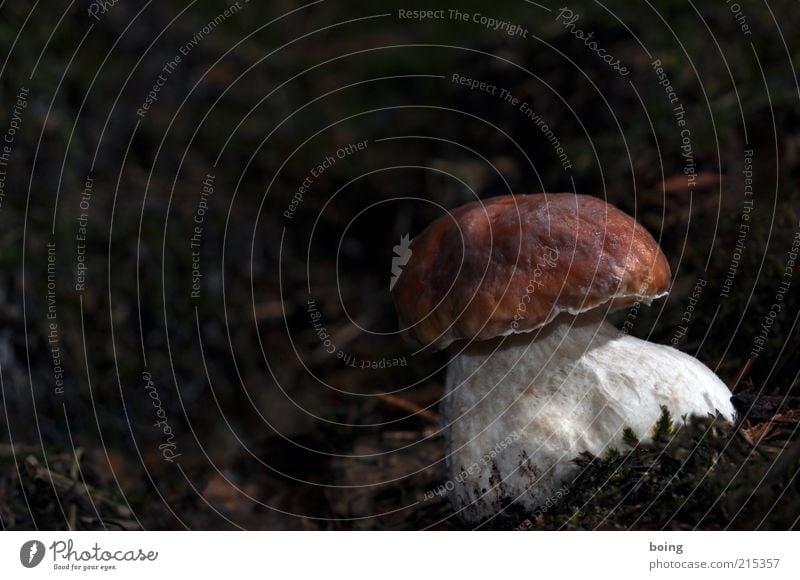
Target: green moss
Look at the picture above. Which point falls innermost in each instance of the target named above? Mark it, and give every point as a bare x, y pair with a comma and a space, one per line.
663, 429
703, 474
629, 437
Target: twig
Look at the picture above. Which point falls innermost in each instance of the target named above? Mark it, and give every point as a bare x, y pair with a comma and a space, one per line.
405, 405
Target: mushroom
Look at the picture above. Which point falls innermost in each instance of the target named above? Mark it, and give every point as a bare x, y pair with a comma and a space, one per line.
518, 287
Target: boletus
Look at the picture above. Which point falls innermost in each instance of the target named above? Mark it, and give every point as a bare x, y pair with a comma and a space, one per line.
518, 287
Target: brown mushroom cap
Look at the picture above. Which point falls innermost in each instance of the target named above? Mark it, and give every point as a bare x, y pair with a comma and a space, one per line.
511, 264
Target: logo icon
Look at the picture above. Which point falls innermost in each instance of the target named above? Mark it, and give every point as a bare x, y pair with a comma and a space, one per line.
402, 253
31, 553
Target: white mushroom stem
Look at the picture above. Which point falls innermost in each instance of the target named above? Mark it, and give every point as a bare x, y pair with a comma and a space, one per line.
518, 410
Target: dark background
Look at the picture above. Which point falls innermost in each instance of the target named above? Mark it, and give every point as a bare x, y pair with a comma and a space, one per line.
273, 432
